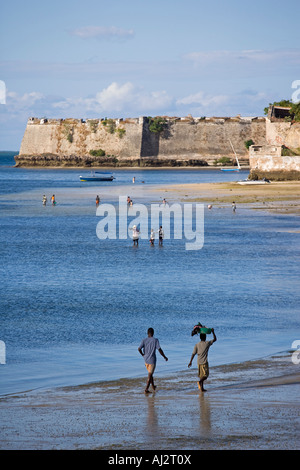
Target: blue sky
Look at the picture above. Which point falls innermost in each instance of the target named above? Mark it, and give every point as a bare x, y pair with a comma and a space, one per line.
93, 59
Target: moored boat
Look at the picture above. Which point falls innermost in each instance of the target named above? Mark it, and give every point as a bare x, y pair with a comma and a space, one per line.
237, 161
98, 176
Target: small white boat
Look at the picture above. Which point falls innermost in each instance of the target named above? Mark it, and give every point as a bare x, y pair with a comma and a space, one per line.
244, 182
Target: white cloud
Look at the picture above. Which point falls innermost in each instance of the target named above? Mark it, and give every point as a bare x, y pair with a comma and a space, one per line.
24, 105
17, 109
130, 100
119, 98
202, 99
116, 96
102, 32
126, 100
25, 101
246, 102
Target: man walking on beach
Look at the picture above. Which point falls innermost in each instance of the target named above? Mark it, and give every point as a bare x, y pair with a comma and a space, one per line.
147, 349
201, 349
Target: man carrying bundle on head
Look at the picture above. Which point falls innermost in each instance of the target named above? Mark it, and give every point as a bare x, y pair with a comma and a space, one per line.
201, 349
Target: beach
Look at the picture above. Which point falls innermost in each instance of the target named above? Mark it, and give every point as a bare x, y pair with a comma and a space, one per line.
283, 196
247, 406
250, 404
150, 183
276, 196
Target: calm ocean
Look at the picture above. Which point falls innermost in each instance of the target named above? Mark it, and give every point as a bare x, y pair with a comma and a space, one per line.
74, 308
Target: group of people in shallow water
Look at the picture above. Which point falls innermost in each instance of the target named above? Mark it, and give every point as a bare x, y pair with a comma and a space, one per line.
136, 235
45, 200
136, 232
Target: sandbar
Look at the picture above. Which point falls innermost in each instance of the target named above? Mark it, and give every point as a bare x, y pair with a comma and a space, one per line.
276, 196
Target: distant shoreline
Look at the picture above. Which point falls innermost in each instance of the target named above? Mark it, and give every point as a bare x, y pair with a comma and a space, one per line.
131, 168
280, 196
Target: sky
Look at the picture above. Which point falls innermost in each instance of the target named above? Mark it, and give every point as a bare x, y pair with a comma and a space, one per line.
131, 58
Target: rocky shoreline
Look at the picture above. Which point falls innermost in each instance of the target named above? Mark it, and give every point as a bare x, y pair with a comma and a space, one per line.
49, 160
52, 160
276, 175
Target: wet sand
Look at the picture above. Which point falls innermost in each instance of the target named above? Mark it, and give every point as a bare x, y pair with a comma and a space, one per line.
275, 196
283, 197
247, 406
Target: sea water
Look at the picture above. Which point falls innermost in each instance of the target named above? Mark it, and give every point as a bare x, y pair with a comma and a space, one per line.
74, 309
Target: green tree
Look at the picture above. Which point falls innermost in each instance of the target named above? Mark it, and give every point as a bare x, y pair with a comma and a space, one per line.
157, 124
223, 161
294, 111
248, 143
121, 132
110, 125
283, 103
97, 153
68, 131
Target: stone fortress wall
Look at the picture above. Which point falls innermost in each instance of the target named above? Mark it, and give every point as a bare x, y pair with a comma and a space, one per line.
279, 158
183, 141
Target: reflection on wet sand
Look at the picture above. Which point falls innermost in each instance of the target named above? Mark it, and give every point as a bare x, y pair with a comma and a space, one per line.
152, 426
205, 416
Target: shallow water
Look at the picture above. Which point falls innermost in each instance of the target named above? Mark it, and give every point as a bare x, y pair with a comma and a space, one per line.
74, 308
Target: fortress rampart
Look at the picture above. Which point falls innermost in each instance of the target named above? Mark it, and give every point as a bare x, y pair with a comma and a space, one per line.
131, 142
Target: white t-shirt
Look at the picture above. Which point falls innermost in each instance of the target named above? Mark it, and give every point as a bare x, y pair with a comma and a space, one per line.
135, 234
